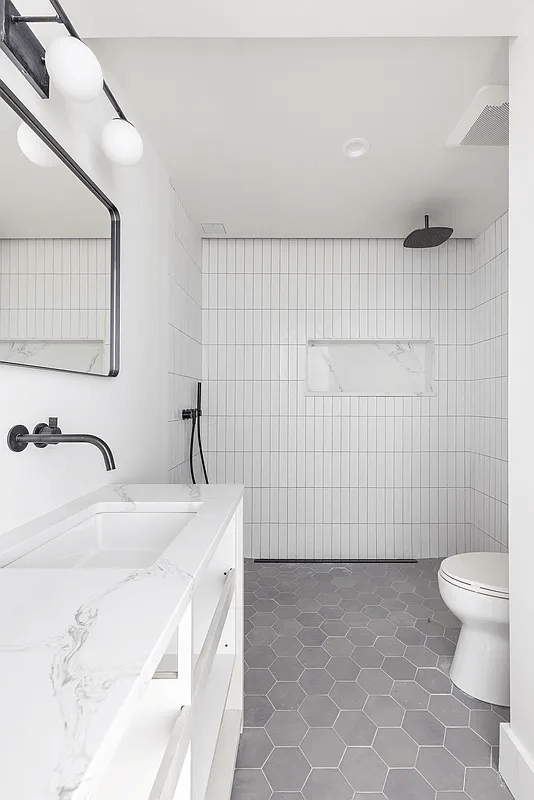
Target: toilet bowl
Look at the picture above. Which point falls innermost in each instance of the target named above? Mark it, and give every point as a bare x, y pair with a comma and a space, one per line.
474, 586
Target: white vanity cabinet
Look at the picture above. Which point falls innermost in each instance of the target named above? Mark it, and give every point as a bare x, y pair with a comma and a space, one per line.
182, 742
121, 646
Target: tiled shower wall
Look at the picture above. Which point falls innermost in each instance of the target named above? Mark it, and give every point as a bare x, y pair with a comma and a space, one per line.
337, 477
54, 288
488, 371
185, 335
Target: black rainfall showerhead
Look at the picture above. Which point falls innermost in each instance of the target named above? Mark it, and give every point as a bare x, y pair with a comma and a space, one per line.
427, 237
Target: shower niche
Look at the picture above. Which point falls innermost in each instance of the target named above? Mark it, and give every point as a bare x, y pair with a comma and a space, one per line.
371, 367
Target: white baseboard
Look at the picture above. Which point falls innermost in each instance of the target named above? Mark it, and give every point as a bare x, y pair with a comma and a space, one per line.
515, 765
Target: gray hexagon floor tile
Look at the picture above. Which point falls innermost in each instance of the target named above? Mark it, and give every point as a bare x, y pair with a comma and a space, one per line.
343, 668
382, 627
449, 710
424, 728
361, 637
433, 681
395, 747
407, 784
367, 657
486, 784
258, 681
355, 728
384, 711
259, 656
250, 783
347, 693
468, 747
286, 695
316, 681
286, 668
313, 657
319, 711
286, 769
399, 668
254, 748
286, 728
486, 724
258, 711
390, 646
410, 636
452, 796
420, 656
375, 681
323, 747
286, 646
410, 695
364, 769
441, 769
326, 783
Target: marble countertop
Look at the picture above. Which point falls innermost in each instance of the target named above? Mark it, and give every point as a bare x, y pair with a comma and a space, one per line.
79, 646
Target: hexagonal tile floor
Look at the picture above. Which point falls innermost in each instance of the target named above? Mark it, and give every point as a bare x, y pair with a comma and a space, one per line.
347, 693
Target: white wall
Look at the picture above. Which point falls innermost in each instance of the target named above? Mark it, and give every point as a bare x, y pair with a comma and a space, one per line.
517, 744
337, 477
184, 338
129, 412
488, 390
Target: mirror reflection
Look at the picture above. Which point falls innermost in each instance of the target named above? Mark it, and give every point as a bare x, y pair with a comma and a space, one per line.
56, 267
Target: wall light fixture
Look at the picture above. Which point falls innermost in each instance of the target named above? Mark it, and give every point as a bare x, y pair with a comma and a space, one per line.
74, 70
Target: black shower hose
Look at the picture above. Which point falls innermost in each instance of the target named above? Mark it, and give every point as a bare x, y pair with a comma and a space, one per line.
196, 426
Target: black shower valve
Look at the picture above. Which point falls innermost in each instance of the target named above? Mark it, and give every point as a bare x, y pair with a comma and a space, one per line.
189, 413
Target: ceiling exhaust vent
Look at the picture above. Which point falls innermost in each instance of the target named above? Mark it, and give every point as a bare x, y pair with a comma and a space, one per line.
486, 121
213, 228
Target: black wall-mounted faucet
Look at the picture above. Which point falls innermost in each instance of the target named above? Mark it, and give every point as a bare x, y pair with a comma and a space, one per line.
44, 434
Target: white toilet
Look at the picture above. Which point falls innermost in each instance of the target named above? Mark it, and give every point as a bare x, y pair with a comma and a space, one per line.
474, 586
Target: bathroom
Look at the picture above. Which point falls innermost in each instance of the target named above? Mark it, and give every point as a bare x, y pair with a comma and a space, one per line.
246, 251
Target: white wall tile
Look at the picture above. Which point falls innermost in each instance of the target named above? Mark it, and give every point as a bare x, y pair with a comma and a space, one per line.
487, 376
362, 477
186, 322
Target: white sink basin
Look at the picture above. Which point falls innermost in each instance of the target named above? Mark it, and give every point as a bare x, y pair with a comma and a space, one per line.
129, 540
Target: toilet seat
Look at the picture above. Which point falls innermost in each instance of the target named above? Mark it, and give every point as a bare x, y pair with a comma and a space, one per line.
481, 573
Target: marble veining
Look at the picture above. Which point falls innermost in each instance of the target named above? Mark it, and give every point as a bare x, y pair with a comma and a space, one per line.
371, 367
122, 494
90, 640
72, 354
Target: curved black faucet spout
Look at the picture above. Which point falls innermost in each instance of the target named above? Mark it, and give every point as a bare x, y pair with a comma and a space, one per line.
19, 438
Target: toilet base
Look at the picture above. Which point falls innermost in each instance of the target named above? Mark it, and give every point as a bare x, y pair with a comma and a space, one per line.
481, 663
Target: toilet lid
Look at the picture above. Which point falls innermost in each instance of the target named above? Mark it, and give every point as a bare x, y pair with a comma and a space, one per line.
484, 572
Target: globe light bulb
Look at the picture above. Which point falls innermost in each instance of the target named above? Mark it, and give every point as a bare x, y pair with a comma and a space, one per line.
74, 69
34, 148
122, 142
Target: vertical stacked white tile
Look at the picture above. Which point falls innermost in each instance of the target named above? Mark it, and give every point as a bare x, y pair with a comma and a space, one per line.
488, 374
185, 335
336, 477
55, 288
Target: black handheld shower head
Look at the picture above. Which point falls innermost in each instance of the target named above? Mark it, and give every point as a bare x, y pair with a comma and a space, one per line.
427, 236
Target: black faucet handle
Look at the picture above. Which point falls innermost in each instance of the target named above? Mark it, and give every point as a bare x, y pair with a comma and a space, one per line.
52, 424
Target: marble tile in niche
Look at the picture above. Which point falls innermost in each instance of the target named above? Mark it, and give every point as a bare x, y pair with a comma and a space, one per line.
372, 367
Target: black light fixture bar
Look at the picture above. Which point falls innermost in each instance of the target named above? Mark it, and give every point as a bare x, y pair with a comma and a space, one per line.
13, 21
28, 19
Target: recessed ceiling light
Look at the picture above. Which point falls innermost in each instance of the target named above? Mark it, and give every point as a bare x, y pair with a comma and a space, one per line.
213, 228
355, 148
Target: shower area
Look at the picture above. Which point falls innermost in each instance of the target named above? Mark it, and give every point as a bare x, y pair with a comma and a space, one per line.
348, 450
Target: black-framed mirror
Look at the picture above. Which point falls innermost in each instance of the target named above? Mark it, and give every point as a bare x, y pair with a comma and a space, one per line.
59, 254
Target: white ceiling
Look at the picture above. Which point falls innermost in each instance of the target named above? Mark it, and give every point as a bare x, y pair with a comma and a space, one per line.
251, 130
293, 18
